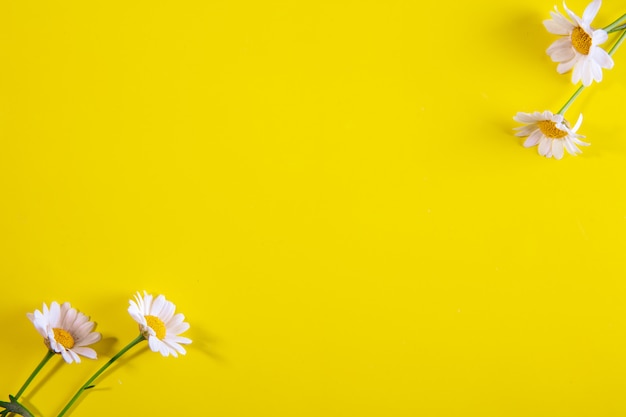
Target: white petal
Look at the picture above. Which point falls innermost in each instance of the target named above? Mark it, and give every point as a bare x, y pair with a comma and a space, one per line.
85, 351
562, 54
89, 339
157, 306
572, 16
578, 123
168, 312
39, 324
557, 148
558, 25
154, 343
165, 350
596, 71
599, 36
180, 339
175, 321
533, 139
577, 72
601, 57
525, 118
528, 117
69, 356
591, 11
147, 303
559, 45
524, 131
544, 146
55, 314
178, 329
139, 318
69, 319
587, 75
175, 347
579, 142
571, 148
85, 328
565, 66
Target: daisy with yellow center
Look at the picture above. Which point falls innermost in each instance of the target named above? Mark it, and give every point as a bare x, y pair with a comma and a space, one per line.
158, 324
551, 132
66, 331
578, 49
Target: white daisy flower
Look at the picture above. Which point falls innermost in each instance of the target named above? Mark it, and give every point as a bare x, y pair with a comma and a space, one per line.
551, 132
578, 49
158, 324
66, 331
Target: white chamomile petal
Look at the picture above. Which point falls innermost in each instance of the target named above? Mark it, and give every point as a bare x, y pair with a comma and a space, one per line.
558, 25
591, 11
524, 118
557, 149
533, 139
602, 58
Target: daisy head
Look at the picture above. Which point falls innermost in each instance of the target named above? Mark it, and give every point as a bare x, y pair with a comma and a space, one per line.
66, 331
578, 48
158, 323
551, 132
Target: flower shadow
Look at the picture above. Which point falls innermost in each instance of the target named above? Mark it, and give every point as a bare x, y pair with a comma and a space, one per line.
44, 379
205, 343
106, 346
98, 385
523, 35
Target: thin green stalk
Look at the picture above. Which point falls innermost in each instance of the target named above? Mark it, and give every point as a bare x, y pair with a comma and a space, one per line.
88, 385
571, 100
617, 29
617, 43
618, 22
49, 354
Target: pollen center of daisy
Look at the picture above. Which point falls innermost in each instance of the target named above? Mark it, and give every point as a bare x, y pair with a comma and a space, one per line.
63, 337
157, 325
549, 129
581, 41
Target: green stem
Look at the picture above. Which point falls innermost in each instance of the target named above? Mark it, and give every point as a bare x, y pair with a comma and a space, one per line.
617, 29
49, 354
571, 100
88, 385
617, 43
618, 22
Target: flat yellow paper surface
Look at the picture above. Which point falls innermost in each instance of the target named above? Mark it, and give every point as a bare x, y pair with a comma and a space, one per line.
332, 194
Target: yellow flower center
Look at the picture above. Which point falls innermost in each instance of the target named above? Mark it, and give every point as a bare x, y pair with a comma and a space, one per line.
581, 41
63, 337
157, 325
549, 129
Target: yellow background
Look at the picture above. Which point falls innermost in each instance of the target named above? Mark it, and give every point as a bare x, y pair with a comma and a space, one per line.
332, 194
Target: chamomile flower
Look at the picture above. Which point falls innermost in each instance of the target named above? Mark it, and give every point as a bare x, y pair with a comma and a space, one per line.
578, 48
158, 324
66, 331
551, 132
